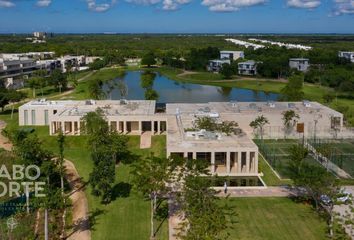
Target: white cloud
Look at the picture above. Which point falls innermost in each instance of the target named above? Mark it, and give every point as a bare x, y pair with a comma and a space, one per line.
343, 7
308, 4
43, 3
230, 5
171, 5
6, 4
99, 7
144, 2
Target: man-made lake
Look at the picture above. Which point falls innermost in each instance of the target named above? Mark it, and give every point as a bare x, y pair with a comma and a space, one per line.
170, 91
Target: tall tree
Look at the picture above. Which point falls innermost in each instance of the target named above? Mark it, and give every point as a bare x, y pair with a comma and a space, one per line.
259, 123
148, 59
151, 177
293, 90
290, 118
206, 217
58, 80
107, 149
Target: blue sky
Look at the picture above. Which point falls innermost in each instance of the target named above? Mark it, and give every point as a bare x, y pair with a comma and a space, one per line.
177, 16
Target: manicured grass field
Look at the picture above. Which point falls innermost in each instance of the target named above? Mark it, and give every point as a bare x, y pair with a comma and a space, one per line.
276, 153
275, 219
269, 176
127, 217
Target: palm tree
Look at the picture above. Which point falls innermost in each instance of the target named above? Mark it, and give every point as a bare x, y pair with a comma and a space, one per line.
259, 123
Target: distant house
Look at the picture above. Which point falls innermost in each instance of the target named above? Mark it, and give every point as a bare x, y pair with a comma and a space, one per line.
40, 34
216, 65
231, 55
301, 64
14, 70
347, 55
247, 68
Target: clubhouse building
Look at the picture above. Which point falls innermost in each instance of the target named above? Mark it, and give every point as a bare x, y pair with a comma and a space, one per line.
229, 155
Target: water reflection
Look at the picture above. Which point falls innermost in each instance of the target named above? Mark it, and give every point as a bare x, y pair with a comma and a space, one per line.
141, 85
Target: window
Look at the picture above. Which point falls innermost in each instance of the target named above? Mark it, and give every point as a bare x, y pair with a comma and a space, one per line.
46, 120
33, 114
26, 117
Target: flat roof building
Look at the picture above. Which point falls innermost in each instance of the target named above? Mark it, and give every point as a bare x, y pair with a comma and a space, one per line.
347, 55
301, 64
216, 64
13, 71
229, 155
247, 68
231, 55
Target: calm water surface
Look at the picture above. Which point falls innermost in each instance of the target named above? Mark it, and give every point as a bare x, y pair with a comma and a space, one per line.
171, 91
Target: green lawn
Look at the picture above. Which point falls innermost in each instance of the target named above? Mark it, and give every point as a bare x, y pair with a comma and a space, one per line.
269, 176
127, 216
275, 219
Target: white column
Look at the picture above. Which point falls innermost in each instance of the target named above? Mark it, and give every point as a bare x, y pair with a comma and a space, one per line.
212, 162
79, 127
152, 127
256, 162
51, 128
185, 154
140, 127
63, 127
247, 161
194, 155
228, 162
158, 127
124, 127
72, 128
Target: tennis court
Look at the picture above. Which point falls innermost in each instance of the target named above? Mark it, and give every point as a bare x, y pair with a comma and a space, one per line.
338, 151
276, 153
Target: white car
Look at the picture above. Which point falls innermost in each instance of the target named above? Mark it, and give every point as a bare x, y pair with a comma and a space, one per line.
345, 197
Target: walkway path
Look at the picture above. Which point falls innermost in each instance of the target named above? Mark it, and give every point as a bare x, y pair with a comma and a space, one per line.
4, 142
80, 212
260, 192
145, 140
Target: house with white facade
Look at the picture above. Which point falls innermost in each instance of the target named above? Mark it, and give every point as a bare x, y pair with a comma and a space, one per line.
347, 55
301, 64
216, 64
231, 55
247, 68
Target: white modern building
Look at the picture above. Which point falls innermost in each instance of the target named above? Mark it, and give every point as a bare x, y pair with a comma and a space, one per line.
234, 155
247, 68
75, 62
301, 64
216, 64
231, 55
347, 55
40, 34
13, 71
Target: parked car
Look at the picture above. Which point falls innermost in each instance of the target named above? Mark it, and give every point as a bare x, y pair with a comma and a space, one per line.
326, 200
344, 197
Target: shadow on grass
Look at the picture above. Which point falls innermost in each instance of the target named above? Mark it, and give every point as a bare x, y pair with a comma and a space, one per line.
85, 224
121, 190
161, 213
